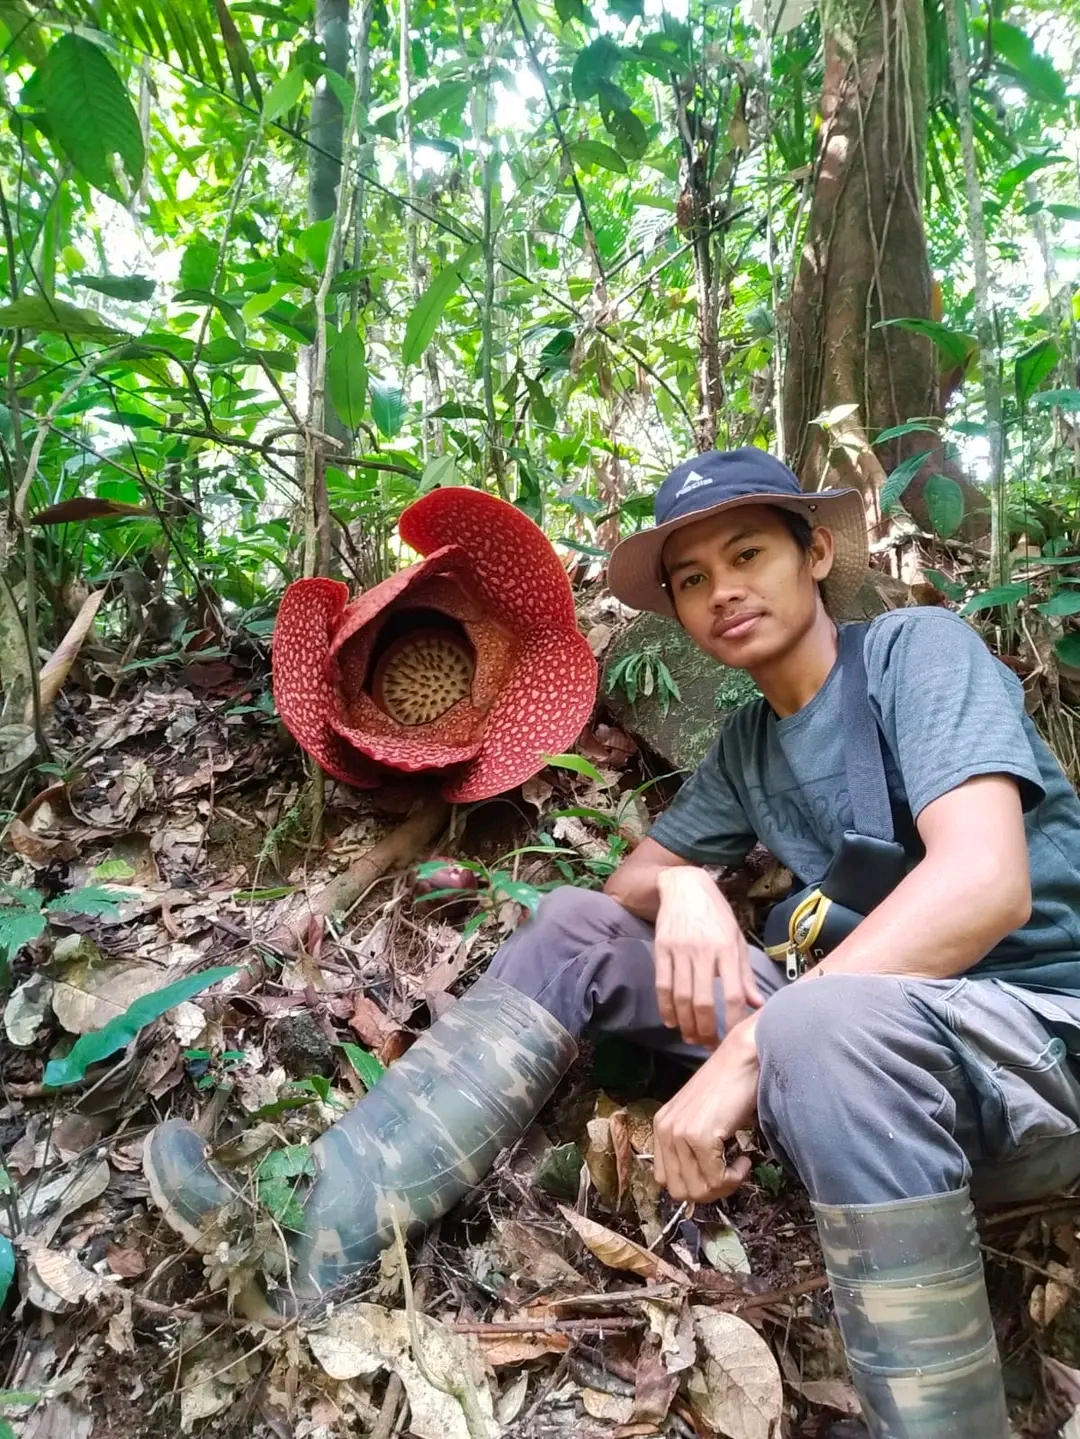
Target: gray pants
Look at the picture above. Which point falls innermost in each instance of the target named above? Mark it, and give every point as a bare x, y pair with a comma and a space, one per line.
873, 1087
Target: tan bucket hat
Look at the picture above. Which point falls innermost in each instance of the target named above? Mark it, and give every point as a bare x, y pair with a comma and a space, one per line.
720, 480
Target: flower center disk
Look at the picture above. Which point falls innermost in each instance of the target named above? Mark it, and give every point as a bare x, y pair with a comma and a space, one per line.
422, 675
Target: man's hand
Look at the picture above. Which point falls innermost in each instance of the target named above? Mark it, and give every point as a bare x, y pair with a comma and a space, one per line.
690, 1132
699, 940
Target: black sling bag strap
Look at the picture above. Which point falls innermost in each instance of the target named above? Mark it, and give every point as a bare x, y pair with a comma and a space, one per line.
869, 862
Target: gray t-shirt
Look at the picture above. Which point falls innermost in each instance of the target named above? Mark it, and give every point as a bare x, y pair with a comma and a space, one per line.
949, 711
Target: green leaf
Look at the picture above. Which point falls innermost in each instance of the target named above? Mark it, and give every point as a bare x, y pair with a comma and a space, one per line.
571, 10
595, 152
629, 133
118, 287
1065, 603
439, 473
89, 113
627, 9
113, 869
954, 345
1060, 399
368, 1066
449, 95
944, 504
19, 927
990, 599
1067, 650
388, 406
7, 1266
578, 763
947, 587
198, 266
421, 324
90, 899
346, 376
911, 427
120, 1032
892, 490
1065, 212
1035, 73
284, 95
1033, 366
596, 63
58, 317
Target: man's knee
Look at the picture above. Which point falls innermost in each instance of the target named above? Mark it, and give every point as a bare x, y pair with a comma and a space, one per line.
584, 914
816, 1032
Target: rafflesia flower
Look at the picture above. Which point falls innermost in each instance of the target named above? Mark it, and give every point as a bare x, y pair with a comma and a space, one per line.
469, 662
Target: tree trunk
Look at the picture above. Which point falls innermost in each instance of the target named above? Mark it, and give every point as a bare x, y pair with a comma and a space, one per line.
326, 131
864, 261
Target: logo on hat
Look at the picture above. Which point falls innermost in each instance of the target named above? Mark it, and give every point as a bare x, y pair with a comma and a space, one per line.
693, 481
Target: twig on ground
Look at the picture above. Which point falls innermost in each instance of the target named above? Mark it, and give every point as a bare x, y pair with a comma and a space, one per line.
458, 1386
395, 1393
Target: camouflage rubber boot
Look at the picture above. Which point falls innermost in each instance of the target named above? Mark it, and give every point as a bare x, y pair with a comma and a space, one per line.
426, 1134
911, 1303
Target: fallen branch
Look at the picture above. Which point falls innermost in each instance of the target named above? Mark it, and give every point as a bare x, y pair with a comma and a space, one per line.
396, 850
545, 1326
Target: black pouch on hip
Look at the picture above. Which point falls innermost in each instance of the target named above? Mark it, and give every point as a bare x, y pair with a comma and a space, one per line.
869, 863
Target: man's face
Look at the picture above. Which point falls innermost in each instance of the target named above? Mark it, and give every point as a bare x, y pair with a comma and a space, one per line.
743, 589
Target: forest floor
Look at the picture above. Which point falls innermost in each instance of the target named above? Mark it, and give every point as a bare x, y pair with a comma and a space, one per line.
573, 1297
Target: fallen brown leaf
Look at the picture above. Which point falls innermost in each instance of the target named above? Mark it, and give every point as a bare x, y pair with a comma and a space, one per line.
624, 1154
128, 1263
502, 1350
654, 1386
619, 1253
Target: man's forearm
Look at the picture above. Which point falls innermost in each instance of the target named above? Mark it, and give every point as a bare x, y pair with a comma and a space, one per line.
938, 922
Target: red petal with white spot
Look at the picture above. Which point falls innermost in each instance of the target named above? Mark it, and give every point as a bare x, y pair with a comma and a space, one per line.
307, 618
511, 560
543, 708
371, 602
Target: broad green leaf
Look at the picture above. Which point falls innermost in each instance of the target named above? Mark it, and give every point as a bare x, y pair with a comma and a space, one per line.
313, 242
892, 490
118, 287
120, 1032
1067, 650
595, 152
368, 1066
449, 95
1061, 604
629, 133
1017, 174
257, 305
90, 116
1033, 366
58, 317
388, 406
198, 266
284, 95
90, 899
944, 504
955, 346
425, 315
1065, 212
571, 10
346, 376
990, 599
7, 1266
439, 473
596, 63
1060, 399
